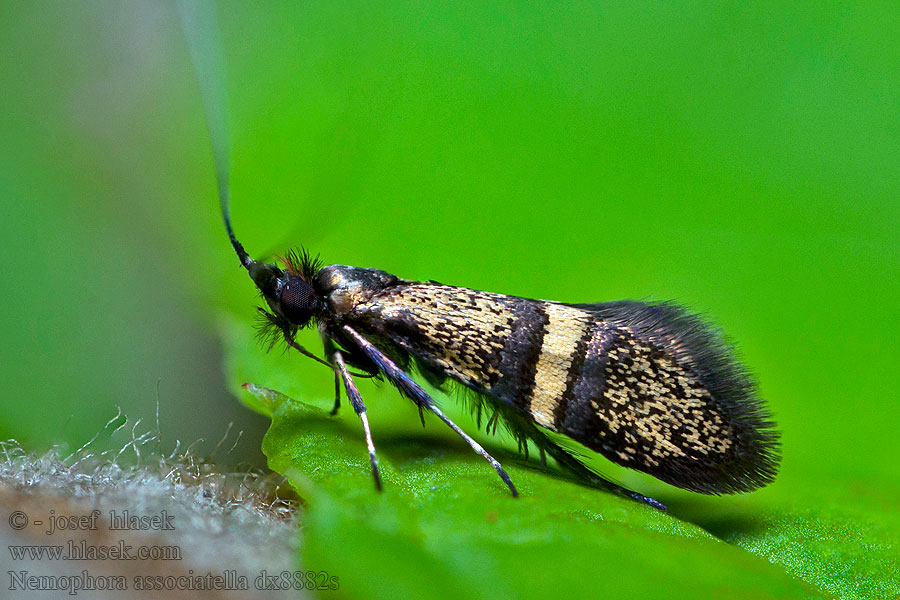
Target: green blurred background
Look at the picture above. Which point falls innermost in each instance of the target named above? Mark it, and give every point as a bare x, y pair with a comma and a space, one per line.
741, 161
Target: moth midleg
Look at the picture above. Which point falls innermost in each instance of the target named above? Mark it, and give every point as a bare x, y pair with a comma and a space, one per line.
415, 392
357, 402
337, 393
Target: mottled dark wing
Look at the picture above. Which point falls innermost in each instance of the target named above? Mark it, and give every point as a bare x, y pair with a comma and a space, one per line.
648, 386
659, 390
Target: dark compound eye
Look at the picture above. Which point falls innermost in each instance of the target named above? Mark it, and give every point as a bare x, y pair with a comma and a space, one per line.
297, 299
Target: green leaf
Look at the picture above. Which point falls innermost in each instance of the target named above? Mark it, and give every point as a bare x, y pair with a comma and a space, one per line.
445, 525
843, 543
848, 553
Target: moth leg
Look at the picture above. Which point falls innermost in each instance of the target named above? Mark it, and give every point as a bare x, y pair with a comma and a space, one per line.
290, 342
337, 393
357, 402
415, 392
289, 339
570, 462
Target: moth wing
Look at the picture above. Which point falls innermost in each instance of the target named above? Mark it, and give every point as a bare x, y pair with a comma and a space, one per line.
661, 391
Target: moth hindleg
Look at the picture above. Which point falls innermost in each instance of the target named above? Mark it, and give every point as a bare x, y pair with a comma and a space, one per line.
357, 402
524, 429
415, 392
571, 463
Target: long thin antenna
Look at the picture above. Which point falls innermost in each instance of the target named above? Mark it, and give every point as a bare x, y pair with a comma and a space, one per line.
201, 29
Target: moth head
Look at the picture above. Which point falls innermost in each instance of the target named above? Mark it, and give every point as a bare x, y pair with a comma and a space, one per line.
287, 294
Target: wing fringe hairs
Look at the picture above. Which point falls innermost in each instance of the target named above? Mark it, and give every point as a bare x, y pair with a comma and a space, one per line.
732, 391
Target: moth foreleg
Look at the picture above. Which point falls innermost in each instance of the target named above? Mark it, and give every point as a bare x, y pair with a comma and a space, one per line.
359, 407
289, 340
415, 392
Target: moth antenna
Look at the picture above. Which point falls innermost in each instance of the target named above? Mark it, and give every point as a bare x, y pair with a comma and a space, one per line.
245, 259
201, 30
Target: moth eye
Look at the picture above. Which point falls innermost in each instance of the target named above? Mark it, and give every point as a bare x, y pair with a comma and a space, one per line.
297, 298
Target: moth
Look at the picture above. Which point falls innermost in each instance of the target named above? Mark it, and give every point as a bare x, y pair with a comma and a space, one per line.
649, 386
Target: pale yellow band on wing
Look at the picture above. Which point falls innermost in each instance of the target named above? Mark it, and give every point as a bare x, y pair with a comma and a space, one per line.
565, 327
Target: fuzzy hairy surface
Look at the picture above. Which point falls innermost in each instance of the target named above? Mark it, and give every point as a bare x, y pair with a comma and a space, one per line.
215, 516
301, 263
680, 379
